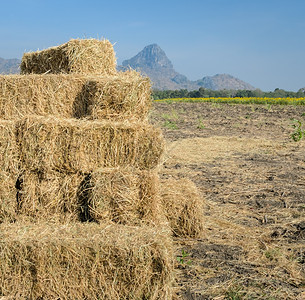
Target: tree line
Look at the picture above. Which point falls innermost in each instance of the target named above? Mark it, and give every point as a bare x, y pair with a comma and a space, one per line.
206, 93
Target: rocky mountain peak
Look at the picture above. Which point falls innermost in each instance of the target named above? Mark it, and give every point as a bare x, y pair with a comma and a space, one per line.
152, 57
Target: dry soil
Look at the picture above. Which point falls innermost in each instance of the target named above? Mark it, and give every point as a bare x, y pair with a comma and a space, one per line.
251, 176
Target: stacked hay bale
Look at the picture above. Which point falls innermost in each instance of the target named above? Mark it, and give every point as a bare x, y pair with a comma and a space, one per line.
88, 261
8, 171
77, 148
79, 180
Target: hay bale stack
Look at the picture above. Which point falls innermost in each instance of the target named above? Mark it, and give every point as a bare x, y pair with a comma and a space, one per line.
123, 96
183, 207
84, 151
84, 261
8, 170
74, 146
122, 195
81, 56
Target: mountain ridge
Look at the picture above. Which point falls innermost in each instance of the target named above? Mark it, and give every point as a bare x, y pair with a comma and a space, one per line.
9, 66
153, 62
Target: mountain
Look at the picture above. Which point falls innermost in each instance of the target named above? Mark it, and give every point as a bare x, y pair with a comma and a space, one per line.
223, 82
9, 66
153, 62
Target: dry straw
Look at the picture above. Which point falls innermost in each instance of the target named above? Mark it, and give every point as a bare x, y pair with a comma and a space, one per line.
8, 170
7, 197
183, 207
8, 148
49, 196
122, 195
123, 96
85, 261
74, 146
82, 56
119, 195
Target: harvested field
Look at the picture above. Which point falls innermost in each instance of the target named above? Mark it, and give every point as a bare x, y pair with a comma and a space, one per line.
73, 146
124, 95
251, 175
84, 261
81, 56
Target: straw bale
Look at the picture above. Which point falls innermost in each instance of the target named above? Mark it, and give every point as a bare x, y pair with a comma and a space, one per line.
8, 170
8, 147
82, 56
80, 146
128, 95
124, 96
49, 196
85, 261
122, 195
183, 206
7, 197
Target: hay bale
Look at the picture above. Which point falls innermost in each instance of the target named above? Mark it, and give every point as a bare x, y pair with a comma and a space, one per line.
124, 96
49, 196
8, 148
73, 146
7, 197
82, 56
122, 195
183, 207
119, 195
127, 95
8, 171
85, 261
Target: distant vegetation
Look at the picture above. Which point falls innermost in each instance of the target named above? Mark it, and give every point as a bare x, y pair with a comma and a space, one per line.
240, 100
207, 93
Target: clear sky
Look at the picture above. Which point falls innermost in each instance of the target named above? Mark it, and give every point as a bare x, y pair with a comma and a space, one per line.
259, 41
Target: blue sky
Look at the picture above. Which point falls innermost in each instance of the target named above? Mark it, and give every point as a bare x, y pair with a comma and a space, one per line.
259, 41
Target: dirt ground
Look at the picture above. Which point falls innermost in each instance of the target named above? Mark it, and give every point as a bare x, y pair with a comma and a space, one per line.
251, 176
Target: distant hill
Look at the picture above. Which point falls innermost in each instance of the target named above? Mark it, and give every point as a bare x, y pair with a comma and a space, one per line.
9, 66
223, 82
153, 62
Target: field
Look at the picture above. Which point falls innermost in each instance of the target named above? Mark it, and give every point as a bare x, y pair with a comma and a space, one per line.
251, 175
